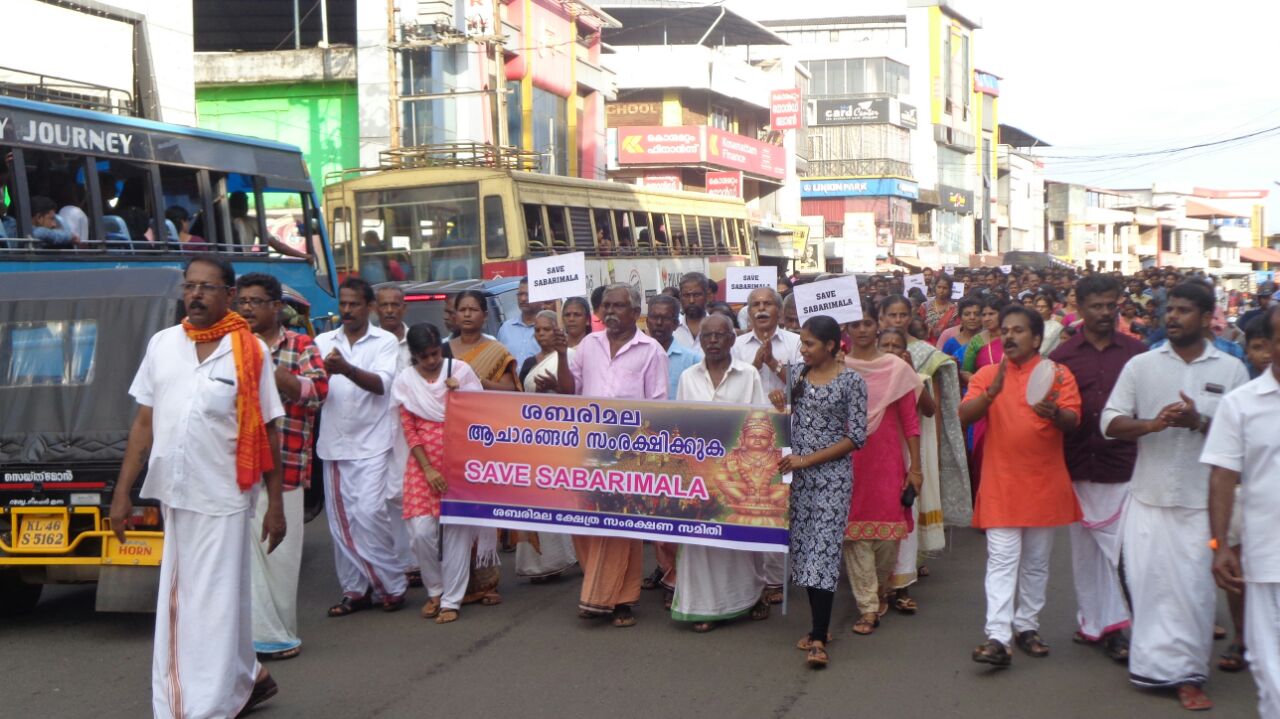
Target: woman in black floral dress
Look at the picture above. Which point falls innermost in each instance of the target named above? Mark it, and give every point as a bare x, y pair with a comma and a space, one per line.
829, 421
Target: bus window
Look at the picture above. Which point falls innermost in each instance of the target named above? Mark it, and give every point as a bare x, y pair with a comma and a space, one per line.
420, 233
679, 242
559, 225
60, 179
183, 208
285, 216
495, 229
717, 232
661, 237
604, 232
580, 228
47, 353
731, 236
235, 211
643, 230
705, 242
128, 207
745, 234
625, 229
535, 228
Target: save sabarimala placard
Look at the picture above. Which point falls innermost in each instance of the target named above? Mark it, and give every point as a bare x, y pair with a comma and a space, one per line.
685, 472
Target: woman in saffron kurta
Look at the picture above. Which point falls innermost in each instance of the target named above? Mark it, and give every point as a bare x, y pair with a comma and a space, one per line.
877, 519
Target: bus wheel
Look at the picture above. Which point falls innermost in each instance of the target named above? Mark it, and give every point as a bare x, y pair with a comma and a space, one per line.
16, 596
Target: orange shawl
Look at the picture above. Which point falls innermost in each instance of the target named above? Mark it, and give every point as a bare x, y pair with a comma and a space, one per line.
253, 451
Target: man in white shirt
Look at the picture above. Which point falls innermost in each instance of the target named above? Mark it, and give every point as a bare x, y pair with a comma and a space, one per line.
356, 438
695, 292
771, 350
1244, 449
715, 584
391, 308
1165, 400
196, 379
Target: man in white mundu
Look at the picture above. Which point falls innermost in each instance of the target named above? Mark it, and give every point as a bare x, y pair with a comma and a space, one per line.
771, 350
356, 436
206, 398
712, 583
1165, 400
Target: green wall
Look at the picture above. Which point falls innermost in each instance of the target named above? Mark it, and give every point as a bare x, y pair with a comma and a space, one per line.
322, 118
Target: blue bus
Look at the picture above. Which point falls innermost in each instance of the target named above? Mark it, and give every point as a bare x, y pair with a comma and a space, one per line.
90, 190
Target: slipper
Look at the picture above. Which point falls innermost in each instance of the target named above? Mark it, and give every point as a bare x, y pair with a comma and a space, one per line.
773, 595
653, 581
1031, 643
804, 643
864, 626
994, 653
414, 577
281, 655
588, 614
883, 608
1232, 660
447, 616
350, 605
1116, 646
622, 617
922, 572
1079, 638
431, 609
704, 627
393, 604
905, 605
1219, 632
1193, 698
490, 600
760, 610
817, 657
263, 689
668, 598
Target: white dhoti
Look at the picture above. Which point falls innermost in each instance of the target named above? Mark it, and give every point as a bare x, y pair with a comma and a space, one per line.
275, 576
714, 584
906, 568
363, 544
771, 566
1168, 569
1017, 564
553, 555
1262, 637
203, 666
445, 572
1095, 559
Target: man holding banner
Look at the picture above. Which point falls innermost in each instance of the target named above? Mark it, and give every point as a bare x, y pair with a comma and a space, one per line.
715, 584
618, 363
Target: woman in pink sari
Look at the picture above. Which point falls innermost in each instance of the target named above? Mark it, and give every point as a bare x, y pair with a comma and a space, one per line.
878, 519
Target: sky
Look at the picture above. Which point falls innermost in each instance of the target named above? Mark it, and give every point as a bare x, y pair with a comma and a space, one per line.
1098, 78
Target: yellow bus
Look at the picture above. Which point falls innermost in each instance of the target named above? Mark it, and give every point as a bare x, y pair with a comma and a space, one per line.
452, 223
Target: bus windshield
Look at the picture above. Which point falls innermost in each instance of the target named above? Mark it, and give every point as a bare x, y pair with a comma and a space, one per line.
419, 233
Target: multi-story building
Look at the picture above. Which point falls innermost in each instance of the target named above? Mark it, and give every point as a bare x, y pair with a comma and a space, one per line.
1091, 224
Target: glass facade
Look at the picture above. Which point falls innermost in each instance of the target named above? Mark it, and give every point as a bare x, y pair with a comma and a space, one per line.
858, 76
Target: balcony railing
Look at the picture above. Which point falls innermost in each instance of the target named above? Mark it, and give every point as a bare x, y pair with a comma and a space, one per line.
860, 167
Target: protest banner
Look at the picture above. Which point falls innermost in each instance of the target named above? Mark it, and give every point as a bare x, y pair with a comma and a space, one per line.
557, 276
957, 290
836, 298
916, 281
685, 472
1006, 268
742, 280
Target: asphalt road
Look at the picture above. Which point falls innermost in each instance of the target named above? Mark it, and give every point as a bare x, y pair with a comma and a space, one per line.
532, 657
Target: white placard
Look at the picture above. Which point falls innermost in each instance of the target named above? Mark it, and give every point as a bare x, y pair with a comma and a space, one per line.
949, 269
742, 280
1006, 269
557, 276
914, 282
786, 478
957, 290
836, 298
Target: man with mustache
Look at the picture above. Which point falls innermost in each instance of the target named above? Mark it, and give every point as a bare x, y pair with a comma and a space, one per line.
1025, 490
303, 385
1165, 400
391, 308
356, 436
207, 404
771, 350
1100, 468
619, 363
695, 292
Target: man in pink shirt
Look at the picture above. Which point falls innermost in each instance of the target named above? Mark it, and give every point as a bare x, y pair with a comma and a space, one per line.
618, 363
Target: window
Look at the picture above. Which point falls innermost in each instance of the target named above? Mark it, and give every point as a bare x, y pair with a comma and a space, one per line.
183, 205
625, 229
643, 230
679, 241
558, 225
419, 233
235, 213
721, 118
661, 235
705, 238
534, 228
61, 179
604, 232
580, 228
47, 353
288, 214
495, 228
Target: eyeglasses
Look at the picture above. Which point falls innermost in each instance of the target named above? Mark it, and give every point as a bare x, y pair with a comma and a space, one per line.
254, 302
200, 288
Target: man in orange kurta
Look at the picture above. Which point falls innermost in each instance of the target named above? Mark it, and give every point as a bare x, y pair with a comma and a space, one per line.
1025, 490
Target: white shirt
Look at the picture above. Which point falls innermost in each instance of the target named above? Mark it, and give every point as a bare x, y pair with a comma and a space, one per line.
1245, 438
686, 337
76, 221
1168, 472
786, 350
193, 422
740, 385
355, 424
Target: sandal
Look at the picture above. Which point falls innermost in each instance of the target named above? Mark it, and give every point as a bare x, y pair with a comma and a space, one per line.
1116, 646
1232, 660
263, 689
1193, 698
922, 572
993, 653
1031, 643
1080, 638
883, 609
904, 604
817, 657
760, 610
431, 609
393, 604
668, 598
588, 614
1219, 632
622, 617
281, 655
773, 595
491, 599
653, 581
447, 616
866, 626
350, 605
804, 643
703, 627
414, 578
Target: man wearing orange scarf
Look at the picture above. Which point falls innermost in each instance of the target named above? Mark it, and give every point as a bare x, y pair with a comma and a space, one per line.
205, 386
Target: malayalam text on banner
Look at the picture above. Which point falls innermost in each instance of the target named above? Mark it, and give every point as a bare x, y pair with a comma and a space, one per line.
685, 472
